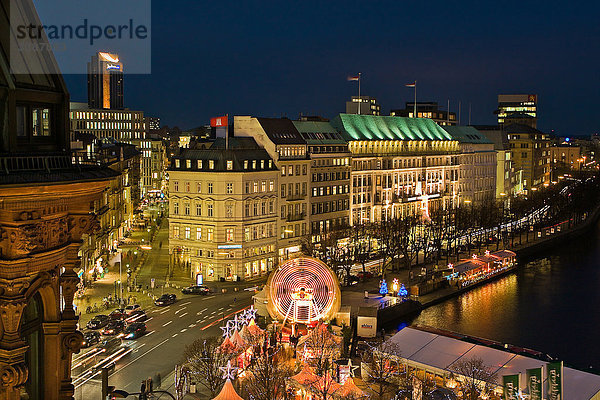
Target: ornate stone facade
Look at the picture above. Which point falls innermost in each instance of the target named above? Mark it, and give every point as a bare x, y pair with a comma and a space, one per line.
41, 228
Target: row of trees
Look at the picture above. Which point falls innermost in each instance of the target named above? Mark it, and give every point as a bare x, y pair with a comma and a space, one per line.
413, 240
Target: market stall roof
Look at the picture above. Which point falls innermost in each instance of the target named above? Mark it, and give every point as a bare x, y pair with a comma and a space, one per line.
306, 376
228, 392
502, 254
349, 388
467, 265
237, 340
443, 353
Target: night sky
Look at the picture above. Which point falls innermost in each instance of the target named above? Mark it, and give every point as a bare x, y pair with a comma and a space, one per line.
276, 58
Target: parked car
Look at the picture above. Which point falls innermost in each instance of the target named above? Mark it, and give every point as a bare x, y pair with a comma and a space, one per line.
196, 289
108, 345
165, 300
131, 308
90, 338
117, 314
113, 328
137, 316
135, 330
99, 321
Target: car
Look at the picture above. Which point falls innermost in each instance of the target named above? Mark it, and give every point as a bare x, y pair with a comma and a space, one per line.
131, 308
110, 344
165, 300
134, 330
90, 338
117, 314
113, 328
99, 321
196, 289
137, 316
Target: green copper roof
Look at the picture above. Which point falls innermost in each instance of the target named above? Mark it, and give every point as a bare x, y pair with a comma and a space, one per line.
467, 134
373, 127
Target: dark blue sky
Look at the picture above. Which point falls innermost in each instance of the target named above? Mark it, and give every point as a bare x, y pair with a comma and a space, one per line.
274, 58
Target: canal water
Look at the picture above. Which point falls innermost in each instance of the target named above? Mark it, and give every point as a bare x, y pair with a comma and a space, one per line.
552, 305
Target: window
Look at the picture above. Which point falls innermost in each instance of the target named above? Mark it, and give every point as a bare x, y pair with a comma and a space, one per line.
33, 122
263, 186
198, 233
283, 170
229, 165
177, 163
271, 207
271, 185
282, 211
255, 186
283, 190
304, 170
246, 234
211, 164
199, 187
229, 188
188, 164
210, 188
210, 210
229, 234
262, 164
175, 208
175, 186
199, 164
187, 187
256, 208
264, 207
247, 209
176, 232
245, 164
210, 234
187, 232
187, 208
198, 209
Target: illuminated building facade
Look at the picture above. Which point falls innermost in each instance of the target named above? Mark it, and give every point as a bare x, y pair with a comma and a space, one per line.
105, 81
289, 150
224, 216
531, 154
517, 108
429, 110
47, 205
368, 105
400, 166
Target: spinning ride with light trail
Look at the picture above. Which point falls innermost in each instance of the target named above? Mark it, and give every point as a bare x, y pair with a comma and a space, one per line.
303, 290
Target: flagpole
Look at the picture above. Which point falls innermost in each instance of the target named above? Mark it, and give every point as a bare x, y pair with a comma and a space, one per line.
415, 105
359, 99
227, 133
448, 113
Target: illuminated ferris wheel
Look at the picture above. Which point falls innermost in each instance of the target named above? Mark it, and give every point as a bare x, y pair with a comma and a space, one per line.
303, 290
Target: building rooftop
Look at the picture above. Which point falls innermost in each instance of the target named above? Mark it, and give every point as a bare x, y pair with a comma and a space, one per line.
245, 153
281, 130
441, 352
371, 127
520, 128
467, 134
318, 132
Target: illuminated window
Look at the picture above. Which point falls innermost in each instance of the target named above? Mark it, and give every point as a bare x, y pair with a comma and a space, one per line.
198, 233
245, 164
246, 234
188, 163
229, 165
210, 234
229, 234
271, 185
176, 232
263, 186
211, 164
199, 164
187, 232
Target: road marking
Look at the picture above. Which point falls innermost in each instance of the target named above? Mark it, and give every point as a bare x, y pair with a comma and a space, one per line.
198, 321
229, 309
192, 326
183, 330
212, 313
189, 302
178, 311
167, 323
209, 297
201, 311
224, 317
149, 319
131, 362
220, 309
149, 333
174, 335
182, 315
164, 311
139, 347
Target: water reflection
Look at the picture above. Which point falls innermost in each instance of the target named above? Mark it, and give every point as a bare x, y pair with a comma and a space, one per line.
550, 305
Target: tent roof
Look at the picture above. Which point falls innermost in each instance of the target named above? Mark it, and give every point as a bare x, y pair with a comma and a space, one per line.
443, 353
228, 392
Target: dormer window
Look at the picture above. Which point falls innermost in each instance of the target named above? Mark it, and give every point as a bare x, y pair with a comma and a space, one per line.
199, 164
262, 164
211, 164
188, 164
253, 164
229, 165
245, 164
33, 121
177, 164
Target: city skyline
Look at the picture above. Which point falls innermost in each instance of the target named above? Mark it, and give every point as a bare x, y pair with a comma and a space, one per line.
470, 54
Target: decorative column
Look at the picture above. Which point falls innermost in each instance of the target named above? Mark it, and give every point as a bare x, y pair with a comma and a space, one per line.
13, 371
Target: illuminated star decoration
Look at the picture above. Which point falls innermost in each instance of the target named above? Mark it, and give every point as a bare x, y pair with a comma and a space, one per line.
229, 371
352, 368
249, 314
228, 329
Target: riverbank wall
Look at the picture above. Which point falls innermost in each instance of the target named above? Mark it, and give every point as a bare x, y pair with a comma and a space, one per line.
389, 316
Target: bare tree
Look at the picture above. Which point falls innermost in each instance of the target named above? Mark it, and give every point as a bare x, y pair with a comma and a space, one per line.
267, 374
382, 369
204, 359
322, 347
477, 378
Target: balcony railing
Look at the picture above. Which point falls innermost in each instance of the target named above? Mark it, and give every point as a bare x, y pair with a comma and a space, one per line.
293, 197
295, 217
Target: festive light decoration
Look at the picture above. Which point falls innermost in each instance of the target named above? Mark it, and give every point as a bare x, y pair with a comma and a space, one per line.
403, 292
228, 371
383, 289
303, 290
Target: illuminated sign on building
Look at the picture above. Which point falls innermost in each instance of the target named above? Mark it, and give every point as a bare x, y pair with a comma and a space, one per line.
112, 66
229, 246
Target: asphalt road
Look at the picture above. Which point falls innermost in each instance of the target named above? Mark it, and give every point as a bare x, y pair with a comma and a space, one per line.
170, 329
